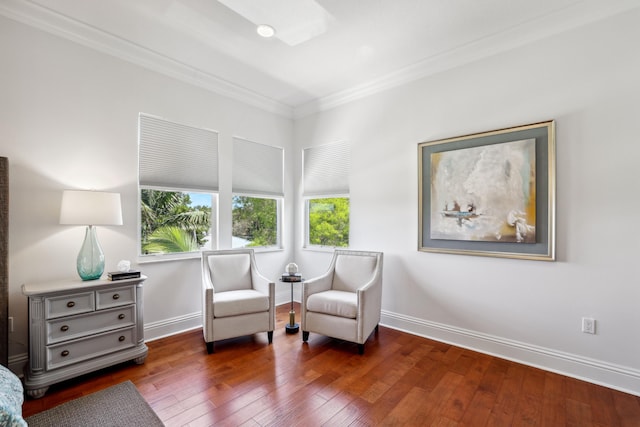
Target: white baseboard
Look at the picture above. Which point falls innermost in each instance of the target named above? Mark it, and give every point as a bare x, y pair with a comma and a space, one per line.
176, 325
17, 363
172, 326
617, 377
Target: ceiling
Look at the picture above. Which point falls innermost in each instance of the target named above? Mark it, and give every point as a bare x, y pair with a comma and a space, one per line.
324, 51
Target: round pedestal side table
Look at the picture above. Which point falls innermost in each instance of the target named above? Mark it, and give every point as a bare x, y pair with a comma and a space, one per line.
292, 327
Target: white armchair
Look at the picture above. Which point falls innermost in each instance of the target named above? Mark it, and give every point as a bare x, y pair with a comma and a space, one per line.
236, 299
345, 302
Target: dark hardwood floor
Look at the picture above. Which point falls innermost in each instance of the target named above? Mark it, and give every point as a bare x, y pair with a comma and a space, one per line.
400, 380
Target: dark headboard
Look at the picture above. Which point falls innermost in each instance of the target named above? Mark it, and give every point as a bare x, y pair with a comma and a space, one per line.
4, 261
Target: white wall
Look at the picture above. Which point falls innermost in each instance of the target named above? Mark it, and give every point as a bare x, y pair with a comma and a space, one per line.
69, 120
586, 80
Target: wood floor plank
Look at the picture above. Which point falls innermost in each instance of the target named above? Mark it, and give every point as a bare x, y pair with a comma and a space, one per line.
554, 404
407, 408
578, 414
325, 412
400, 380
603, 411
459, 402
429, 411
627, 407
508, 395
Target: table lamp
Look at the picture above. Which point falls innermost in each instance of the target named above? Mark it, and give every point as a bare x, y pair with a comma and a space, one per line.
90, 208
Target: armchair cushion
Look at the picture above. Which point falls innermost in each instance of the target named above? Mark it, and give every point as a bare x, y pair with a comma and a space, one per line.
335, 303
234, 303
230, 272
352, 272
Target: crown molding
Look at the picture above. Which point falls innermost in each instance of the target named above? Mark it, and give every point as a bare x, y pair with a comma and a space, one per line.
62, 26
578, 14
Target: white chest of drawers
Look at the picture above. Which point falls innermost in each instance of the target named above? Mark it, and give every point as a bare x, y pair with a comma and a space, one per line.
77, 327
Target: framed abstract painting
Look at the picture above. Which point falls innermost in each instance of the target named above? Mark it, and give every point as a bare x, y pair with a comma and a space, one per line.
489, 193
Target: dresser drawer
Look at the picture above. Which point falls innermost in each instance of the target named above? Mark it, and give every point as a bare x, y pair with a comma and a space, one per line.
66, 305
115, 297
71, 352
69, 328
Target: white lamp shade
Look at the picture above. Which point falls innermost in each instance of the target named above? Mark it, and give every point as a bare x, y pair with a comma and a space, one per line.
90, 208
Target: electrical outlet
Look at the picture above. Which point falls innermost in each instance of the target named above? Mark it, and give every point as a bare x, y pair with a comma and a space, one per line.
10, 324
588, 325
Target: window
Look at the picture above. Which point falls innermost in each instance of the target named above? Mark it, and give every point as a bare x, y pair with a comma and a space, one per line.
174, 221
258, 176
255, 222
328, 221
326, 193
178, 179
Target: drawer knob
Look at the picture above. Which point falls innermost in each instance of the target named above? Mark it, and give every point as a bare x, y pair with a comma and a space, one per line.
121, 316
64, 328
116, 296
121, 338
71, 304
64, 353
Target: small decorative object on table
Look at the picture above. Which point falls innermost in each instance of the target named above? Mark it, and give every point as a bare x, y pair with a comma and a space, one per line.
292, 276
121, 275
292, 268
124, 271
124, 265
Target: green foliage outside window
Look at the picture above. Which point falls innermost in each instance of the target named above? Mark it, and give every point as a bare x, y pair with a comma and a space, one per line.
255, 221
169, 222
329, 222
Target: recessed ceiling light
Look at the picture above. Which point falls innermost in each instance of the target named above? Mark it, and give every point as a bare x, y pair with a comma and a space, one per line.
266, 30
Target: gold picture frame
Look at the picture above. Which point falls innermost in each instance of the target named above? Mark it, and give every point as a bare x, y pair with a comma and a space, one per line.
490, 193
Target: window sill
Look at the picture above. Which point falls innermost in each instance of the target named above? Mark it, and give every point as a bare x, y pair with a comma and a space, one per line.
328, 249
259, 250
150, 259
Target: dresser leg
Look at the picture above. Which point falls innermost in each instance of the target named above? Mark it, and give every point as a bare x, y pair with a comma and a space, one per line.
37, 393
140, 360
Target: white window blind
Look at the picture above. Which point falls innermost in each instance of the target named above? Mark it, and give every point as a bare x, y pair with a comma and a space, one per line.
257, 168
176, 156
326, 169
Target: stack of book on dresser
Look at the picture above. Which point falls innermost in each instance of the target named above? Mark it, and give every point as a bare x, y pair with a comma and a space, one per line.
122, 275
291, 277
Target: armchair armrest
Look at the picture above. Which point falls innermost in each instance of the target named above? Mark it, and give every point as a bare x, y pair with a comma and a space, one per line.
370, 294
317, 284
206, 280
310, 287
207, 303
260, 283
267, 287
369, 305
207, 290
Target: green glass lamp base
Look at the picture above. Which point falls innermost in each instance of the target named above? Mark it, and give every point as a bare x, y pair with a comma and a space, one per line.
91, 258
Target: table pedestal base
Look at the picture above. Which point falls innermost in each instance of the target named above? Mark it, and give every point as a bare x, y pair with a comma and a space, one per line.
292, 329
